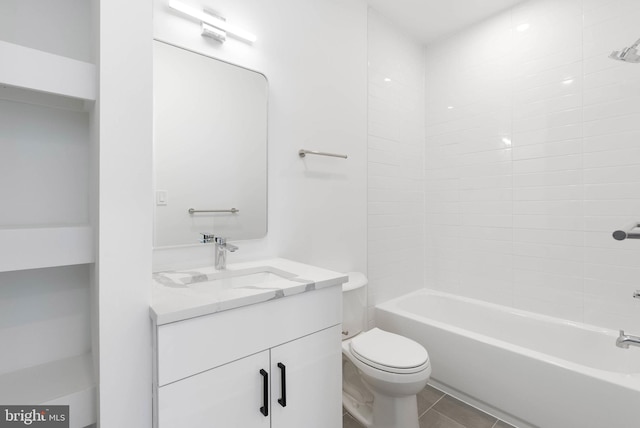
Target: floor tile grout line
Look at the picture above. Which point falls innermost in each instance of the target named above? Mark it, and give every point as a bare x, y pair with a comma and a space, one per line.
451, 419
431, 407
444, 394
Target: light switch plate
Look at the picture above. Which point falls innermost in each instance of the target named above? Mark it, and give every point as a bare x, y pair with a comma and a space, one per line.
162, 197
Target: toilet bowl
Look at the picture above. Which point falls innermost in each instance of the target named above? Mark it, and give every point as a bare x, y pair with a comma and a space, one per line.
382, 371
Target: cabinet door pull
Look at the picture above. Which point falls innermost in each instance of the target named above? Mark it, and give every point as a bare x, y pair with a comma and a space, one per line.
265, 393
283, 382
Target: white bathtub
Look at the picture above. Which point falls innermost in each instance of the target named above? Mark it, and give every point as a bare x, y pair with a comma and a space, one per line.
530, 370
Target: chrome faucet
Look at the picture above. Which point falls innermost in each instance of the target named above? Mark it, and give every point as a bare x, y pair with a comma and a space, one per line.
221, 251
207, 238
624, 340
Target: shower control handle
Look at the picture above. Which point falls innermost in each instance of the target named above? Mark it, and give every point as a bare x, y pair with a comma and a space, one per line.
621, 235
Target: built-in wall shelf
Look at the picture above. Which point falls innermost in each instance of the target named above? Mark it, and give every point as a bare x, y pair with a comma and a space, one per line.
36, 70
64, 382
29, 96
40, 247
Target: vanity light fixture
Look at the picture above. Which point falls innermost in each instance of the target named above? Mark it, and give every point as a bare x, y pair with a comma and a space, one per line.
212, 25
213, 32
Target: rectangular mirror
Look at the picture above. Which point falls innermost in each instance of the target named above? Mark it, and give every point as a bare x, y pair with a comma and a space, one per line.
210, 148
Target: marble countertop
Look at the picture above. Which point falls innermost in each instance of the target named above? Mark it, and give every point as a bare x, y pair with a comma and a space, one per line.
184, 294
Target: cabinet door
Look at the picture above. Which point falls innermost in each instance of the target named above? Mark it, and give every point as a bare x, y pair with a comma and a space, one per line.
229, 396
313, 381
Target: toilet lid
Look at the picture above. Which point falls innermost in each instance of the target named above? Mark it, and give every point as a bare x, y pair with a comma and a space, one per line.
389, 352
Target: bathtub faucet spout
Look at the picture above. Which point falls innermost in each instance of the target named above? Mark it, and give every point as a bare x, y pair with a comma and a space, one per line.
624, 340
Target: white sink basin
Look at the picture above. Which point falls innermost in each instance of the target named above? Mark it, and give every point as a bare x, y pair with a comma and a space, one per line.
241, 280
258, 277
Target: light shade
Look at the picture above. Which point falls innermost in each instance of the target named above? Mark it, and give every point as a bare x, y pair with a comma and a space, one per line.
212, 20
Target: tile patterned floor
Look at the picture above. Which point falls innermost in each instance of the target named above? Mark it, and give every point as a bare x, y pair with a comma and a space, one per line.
439, 410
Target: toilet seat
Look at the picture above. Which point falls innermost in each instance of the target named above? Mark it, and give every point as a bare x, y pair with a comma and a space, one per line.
389, 352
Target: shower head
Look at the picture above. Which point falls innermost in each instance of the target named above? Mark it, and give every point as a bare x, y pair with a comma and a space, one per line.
629, 54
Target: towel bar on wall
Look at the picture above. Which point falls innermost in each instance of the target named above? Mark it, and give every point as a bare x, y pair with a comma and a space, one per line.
232, 210
621, 235
302, 153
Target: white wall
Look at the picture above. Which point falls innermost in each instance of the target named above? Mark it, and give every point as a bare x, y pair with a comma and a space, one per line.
60, 27
314, 54
536, 163
123, 118
395, 162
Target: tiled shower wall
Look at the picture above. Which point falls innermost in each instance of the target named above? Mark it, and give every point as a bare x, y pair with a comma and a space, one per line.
395, 163
532, 161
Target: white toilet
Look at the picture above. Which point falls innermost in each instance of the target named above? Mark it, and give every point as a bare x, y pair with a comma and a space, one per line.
381, 372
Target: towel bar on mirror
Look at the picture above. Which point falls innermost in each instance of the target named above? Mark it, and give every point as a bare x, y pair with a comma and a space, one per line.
232, 210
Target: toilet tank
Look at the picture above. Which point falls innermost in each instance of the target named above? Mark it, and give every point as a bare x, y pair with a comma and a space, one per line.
354, 305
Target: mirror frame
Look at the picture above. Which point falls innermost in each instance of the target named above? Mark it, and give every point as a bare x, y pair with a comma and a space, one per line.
268, 87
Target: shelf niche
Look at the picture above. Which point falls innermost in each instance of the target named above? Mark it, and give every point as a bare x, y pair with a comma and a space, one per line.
69, 382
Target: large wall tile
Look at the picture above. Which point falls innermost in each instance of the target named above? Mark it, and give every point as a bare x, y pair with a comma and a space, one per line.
396, 186
532, 160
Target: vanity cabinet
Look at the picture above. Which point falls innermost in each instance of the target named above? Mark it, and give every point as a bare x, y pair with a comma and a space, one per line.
275, 364
313, 381
227, 396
